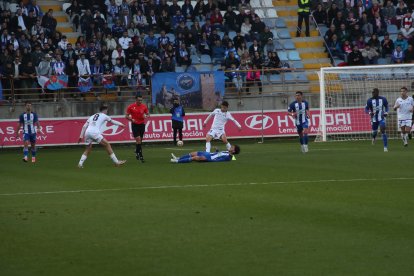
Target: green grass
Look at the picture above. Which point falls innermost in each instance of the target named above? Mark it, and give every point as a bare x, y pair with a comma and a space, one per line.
342, 209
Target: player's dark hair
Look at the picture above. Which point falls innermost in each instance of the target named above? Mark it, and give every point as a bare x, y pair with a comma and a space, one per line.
27, 102
138, 95
103, 107
236, 149
225, 103
405, 88
299, 92
376, 90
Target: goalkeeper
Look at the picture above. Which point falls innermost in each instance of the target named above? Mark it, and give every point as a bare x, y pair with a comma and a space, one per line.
377, 108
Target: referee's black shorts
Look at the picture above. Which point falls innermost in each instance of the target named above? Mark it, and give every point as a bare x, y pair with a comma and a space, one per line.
138, 130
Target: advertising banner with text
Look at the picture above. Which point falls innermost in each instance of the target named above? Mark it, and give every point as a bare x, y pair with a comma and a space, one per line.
66, 131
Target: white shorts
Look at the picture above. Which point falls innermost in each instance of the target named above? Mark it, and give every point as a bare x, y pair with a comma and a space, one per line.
91, 137
404, 123
216, 133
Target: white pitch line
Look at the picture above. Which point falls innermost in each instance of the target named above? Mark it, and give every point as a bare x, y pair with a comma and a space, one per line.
206, 185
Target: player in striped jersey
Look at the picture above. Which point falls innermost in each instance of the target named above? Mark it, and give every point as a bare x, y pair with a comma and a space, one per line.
299, 110
204, 156
30, 123
91, 131
377, 108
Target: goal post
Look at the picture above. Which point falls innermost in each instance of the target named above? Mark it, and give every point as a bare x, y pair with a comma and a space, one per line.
344, 92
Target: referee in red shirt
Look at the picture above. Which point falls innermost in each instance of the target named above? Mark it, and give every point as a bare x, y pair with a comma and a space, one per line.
136, 113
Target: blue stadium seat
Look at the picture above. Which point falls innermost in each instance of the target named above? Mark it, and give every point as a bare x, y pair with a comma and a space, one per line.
205, 59
392, 29
204, 68
283, 34
278, 45
382, 61
275, 78
289, 45
179, 69
280, 23
297, 64
283, 56
171, 37
216, 67
293, 55
270, 22
274, 32
195, 59
232, 34
191, 69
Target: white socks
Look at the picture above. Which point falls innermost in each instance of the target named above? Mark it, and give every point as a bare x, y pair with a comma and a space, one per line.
83, 158
113, 157
208, 146
228, 146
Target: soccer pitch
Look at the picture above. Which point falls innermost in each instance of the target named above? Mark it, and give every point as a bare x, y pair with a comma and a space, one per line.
344, 208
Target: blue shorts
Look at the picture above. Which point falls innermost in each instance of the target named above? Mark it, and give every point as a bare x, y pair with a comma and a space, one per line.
29, 137
375, 125
207, 155
301, 126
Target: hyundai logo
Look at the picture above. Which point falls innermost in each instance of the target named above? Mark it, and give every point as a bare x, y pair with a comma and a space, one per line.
255, 121
111, 130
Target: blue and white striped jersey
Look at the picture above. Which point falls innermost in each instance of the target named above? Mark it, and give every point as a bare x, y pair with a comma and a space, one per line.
28, 120
377, 106
300, 109
220, 156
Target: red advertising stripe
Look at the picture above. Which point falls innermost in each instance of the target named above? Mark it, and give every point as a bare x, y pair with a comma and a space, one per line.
65, 131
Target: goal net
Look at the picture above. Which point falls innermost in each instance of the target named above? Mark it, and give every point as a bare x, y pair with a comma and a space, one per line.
344, 92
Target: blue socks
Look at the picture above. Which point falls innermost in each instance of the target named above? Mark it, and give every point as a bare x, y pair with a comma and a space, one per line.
305, 139
33, 153
301, 140
25, 152
185, 159
385, 140
374, 134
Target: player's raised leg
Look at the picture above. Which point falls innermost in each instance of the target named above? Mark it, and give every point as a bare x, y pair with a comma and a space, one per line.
111, 153
84, 155
208, 142
225, 141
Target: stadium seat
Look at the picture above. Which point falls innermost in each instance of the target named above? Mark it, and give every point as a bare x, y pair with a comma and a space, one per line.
171, 37
275, 78
293, 55
382, 61
274, 32
189, 24
278, 45
205, 59
283, 34
271, 13
65, 6
255, 4
195, 59
289, 45
280, 23
221, 34
13, 7
217, 67
193, 3
232, 34
392, 29
323, 29
204, 68
191, 69
248, 44
267, 3
260, 13
179, 69
269, 22
289, 77
283, 56
297, 64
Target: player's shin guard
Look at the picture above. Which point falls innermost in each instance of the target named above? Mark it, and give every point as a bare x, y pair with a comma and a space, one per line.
208, 147
305, 139
82, 160
301, 140
385, 140
33, 153
138, 149
25, 152
374, 133
228, 146
185, 159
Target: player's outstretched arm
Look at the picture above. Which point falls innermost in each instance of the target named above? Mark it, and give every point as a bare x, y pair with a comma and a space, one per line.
208, 118
117, 123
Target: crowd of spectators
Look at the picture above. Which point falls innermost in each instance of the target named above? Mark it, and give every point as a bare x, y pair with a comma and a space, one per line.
358, 30
134, 39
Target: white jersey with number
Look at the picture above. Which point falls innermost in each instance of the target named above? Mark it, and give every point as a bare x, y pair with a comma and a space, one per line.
96, 121
405, 110
220, 119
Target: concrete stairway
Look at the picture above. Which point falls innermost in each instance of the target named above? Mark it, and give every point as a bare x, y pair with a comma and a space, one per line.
63, 21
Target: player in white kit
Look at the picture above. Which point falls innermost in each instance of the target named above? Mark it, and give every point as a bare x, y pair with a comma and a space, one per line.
91, 131
405, 105
221, 116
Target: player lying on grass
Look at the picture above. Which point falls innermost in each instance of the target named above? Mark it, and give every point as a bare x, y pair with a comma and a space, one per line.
92, 132
203, 156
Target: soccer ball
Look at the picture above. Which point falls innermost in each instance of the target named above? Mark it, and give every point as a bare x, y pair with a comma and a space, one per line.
180, 143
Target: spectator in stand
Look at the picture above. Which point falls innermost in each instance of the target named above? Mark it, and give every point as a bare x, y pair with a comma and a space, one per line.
238, 40
400, 41
346, 49
63, 43
335, 47
366, 25
218, 52
121, 72
207, 28
320, 15
28, 72
388, 12
253, 76
164, 21
110, 42
257, 60
269, 47
198, 11
217, 20
255, 47
183, 56
235, 77
133, 31
125, 18
355, 58
187, 10
84, 68
204, 45
124, 40
112, 12
37, 29
153, 21
265, 35
36, 8
387, 46
167, 65
72, 71
118, 53
407, 32
370, 55
37, 55
398, 55
339, 19
231, 49
246, 27
360, 43
407, 20
181, 28
177, 19
19, 19
31, 21
229, 60
343, 34
13, 41
230, 19
356, 32
86, 20
151, 43
379, 24
409, 54
329, 33
400, 12
332, 13
58, 66
172, 10
118, 29
374, 43
131, 54
258, 28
